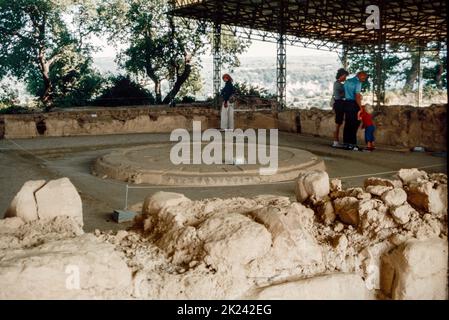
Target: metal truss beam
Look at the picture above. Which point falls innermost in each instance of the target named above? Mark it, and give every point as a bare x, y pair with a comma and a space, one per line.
332, 25
336, 22
272, 37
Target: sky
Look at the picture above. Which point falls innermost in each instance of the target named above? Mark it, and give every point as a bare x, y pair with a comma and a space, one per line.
106, 50
257, 49
268, 49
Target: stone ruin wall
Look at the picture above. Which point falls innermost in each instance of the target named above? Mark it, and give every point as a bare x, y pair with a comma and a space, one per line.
400, 126
99, 121
123, 120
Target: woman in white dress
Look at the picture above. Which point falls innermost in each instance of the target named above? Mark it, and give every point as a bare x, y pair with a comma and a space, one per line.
227, 108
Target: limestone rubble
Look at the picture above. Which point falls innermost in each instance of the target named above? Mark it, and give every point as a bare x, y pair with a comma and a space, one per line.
24, 203
43, 200
387, 239
416, 270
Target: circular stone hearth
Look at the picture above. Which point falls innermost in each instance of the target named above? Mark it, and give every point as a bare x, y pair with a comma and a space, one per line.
150, 164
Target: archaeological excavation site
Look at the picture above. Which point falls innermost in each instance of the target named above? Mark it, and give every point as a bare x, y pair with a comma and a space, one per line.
332, 186
329, 224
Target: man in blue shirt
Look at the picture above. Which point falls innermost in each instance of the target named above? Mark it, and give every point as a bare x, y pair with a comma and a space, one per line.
353, 105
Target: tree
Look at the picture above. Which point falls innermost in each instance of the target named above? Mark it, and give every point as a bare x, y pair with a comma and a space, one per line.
404, 66
8, 96
435, 72
161, 47
73, 81
367, 63
35, 38
245, 89
122, 91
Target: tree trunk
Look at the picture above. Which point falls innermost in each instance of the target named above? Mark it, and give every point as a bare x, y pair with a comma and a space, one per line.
45, 71
439, 76
180, 79
439, 70
413, 75
157, 82
157, 91
46, 96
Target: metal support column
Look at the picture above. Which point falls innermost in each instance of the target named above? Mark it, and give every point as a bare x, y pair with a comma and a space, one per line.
217, 63
281, 70
172, 67
379, 90
379, 49
419, 78
377, 82
281, 65
344, 57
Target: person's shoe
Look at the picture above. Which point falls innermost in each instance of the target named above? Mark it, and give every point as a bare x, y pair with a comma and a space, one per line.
336, 144
353, 147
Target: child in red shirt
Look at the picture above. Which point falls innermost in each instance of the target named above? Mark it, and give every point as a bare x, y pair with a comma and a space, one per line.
368, 125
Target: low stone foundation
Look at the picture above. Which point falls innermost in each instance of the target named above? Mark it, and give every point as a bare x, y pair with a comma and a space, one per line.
99, 121
402, 126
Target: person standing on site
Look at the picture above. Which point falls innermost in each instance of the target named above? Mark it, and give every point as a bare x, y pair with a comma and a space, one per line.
352, 108
337, 104
368, 125
227, 109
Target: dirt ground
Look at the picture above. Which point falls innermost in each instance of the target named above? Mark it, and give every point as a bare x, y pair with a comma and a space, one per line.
49, 158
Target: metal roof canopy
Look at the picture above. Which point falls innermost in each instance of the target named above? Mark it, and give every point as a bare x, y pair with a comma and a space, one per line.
334, 23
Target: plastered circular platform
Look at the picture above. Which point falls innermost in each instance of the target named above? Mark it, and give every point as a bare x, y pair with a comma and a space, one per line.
151, 164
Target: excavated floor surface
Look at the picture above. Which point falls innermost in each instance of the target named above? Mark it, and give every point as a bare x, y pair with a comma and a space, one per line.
73, 157
151, 164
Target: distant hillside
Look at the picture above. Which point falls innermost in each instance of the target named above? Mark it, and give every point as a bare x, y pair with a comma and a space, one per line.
309, 78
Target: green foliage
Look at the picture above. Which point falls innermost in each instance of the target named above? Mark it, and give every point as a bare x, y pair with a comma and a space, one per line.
15, 110
185, 99
245, 89
193, 84
74, 81
435, 76
405, 67
366, 62
36, 42
435, 73
231, 48
8, 96
161, 47
122, 91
